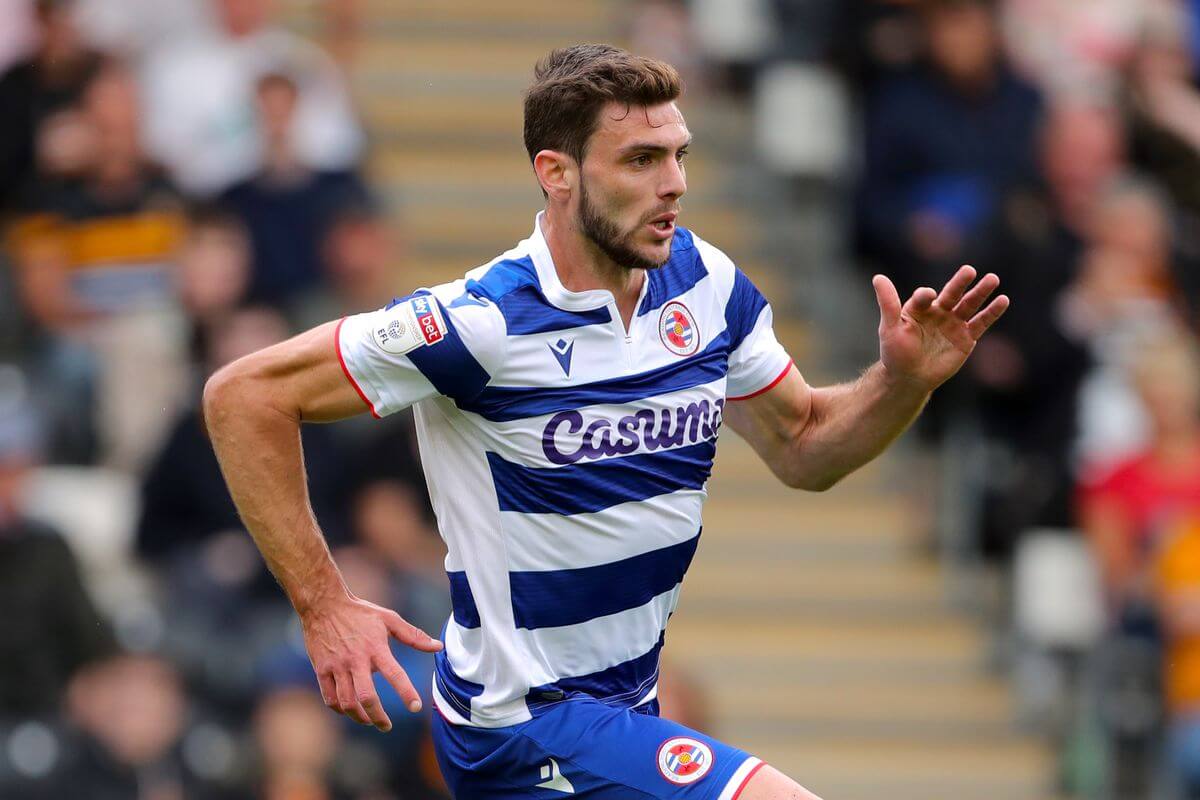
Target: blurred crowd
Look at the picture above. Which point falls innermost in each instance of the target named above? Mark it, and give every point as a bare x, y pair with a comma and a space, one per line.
181, 183
1056, 143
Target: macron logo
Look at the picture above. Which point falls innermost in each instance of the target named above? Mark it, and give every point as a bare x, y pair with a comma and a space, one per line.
554, 780
562, 352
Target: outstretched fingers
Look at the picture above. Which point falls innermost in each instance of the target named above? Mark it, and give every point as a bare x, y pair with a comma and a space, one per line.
972, 301
956, 287
985, 319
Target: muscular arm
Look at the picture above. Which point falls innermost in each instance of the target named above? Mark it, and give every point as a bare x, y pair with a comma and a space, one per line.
253, 409
813, 437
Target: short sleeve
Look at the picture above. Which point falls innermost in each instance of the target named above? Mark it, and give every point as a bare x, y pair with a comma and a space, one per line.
420, 346
756, 360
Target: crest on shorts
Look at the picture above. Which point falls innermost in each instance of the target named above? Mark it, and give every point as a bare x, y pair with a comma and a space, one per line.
683, 760
677, 329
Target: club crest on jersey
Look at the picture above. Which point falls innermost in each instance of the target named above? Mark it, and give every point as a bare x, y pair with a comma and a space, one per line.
677, 329
683, 760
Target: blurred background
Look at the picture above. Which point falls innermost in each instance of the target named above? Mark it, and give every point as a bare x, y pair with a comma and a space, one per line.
1007, 605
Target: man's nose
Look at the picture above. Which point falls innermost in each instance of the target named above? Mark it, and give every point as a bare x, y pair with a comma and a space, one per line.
674, 181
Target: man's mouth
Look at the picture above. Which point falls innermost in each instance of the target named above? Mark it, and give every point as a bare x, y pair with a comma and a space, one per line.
664, 223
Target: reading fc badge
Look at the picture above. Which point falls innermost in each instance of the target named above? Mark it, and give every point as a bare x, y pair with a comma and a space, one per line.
684, 760
677, 329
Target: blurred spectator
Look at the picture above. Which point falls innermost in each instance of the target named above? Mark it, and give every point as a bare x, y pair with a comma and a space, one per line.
32, 91
358, 262
49, 627
944, 145
133, 27
1124, 287
874, 41
19, 35
1163, 109
1077, 49
287, 205
1176, 584
298, 742
214, 272
200, 112
131, 714
663, 29
1024, 377
1124, 508
390, 521
95, 266
105, 244
62, 377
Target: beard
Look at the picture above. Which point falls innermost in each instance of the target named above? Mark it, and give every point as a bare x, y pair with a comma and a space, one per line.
604, 233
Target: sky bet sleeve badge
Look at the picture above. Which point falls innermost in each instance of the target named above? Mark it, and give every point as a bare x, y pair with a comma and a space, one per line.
411, 324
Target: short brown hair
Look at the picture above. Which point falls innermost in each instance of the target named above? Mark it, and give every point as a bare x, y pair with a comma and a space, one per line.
572, 84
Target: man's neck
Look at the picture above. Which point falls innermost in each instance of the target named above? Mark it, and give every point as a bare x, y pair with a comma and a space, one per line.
582, 266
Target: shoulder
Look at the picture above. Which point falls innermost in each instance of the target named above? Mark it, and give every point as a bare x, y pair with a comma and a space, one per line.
712, 259
727, 281
453, 314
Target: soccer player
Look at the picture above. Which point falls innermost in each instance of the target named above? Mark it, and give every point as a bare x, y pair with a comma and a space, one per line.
568, 396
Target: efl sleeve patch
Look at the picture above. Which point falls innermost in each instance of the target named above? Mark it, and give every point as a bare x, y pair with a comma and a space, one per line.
414, 323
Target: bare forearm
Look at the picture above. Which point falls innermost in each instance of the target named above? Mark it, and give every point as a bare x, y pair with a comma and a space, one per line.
258, 446
852, 423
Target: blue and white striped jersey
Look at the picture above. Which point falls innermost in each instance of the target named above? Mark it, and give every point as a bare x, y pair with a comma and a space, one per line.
566, 459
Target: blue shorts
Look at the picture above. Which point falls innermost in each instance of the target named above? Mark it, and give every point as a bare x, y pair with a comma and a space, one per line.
586, 748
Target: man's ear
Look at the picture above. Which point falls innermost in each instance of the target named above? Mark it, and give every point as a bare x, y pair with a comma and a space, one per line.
557, 172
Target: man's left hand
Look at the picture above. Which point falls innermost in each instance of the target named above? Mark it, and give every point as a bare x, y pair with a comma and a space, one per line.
926, 340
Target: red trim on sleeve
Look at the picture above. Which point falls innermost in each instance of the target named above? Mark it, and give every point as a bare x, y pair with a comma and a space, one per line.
769, 386
337, 347
749, 775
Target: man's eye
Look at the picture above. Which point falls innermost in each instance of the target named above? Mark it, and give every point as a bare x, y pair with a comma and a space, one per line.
680, 156
642, 160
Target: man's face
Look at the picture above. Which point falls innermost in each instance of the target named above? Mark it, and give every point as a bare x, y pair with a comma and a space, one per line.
963, 42
630, 183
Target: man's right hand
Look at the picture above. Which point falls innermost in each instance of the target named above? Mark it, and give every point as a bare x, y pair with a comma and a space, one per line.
347, 640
